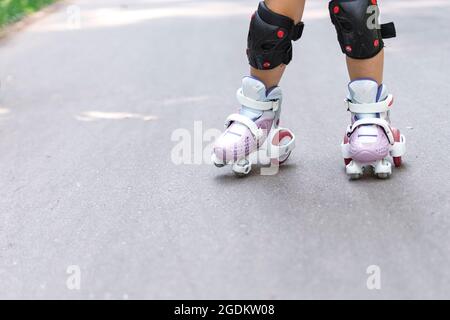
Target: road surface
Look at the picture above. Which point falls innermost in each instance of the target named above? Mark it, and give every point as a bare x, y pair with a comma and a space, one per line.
96, 95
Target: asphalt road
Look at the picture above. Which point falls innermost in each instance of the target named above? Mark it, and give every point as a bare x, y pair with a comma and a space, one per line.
92, 97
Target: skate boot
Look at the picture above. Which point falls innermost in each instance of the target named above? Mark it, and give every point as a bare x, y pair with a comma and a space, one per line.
370, 139
253, 136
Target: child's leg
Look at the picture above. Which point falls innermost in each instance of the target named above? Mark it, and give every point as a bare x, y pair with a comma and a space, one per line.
367, 68
273, 28
294, 10
370, 138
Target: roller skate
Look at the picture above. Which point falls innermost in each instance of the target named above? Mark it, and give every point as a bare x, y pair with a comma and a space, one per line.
253, 135
370, 139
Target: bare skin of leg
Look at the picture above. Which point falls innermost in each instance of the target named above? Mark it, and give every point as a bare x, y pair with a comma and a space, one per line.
367, 68
294, 10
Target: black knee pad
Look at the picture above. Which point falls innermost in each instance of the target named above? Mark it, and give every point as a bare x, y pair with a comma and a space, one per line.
269, 42
357, 24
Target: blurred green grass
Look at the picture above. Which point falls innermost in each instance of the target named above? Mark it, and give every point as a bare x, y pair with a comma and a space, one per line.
14, 10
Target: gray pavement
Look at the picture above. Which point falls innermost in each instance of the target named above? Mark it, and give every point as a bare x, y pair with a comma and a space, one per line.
87, 113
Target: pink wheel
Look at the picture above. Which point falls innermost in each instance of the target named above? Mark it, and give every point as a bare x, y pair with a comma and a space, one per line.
281, 138
346, 160
397, 137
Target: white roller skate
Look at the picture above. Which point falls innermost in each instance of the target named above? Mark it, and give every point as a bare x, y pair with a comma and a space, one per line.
253, 135
370, 139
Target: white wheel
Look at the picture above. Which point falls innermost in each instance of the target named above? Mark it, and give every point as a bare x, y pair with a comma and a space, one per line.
218, 163
383, 169
383, 175
354, 170
242, 167
355, 176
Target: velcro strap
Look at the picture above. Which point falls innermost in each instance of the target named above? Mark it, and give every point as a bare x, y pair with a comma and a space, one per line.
373, 121
235, 117
377, 107
388, 30
297, 31
255, 104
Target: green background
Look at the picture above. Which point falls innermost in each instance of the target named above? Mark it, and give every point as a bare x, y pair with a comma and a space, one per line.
13, 10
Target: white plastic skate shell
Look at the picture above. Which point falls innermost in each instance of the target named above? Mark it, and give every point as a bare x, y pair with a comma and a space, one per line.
275, 151
383, 167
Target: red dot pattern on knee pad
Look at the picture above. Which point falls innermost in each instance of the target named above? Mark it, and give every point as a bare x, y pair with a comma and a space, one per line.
280, 34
